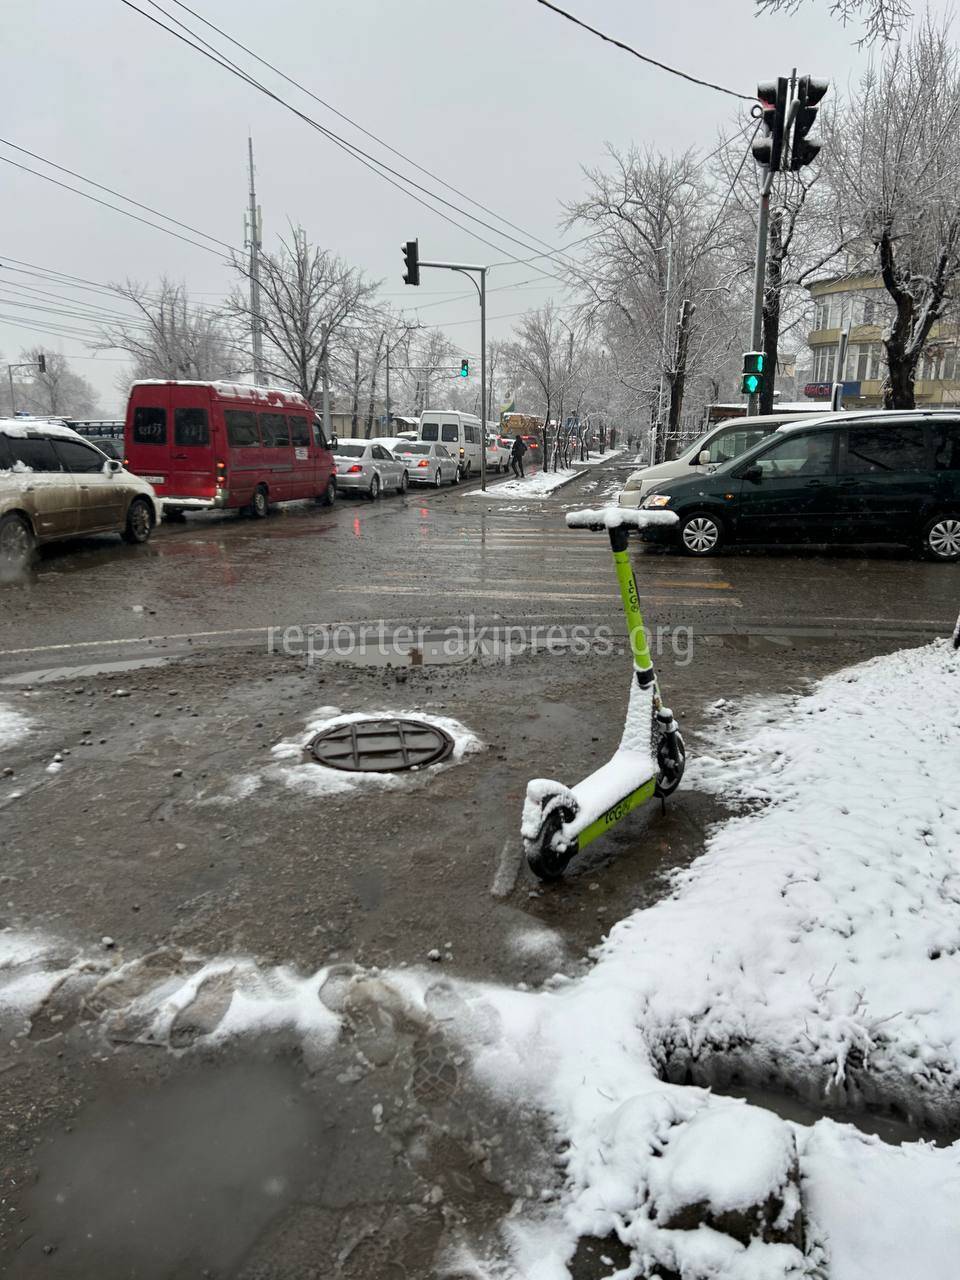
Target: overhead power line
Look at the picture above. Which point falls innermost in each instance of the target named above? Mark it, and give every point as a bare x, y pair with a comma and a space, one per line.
663, 66
116, 208
359, 127
379, 167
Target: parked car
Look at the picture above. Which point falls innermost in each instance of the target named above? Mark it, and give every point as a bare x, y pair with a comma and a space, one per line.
532, 443
460, 432
498, 454
209, 445
728, 440
365, 466
429, 463
853, 478
56, 485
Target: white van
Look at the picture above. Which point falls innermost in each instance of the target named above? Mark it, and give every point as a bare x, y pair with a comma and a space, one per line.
462, 433
725, 441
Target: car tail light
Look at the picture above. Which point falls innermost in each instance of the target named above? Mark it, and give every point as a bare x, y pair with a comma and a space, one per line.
423, 463
354, 469
221, 474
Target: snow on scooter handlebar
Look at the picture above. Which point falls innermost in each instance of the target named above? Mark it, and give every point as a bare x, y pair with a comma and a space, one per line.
558, 821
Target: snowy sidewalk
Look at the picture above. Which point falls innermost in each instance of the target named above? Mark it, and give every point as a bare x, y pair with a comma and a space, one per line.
539, 485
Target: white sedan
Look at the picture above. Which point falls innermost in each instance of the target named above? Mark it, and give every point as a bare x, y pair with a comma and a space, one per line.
429, 462
365, 466
498, 455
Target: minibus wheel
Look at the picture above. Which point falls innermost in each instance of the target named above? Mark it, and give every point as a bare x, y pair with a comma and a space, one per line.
259, 503
329, 495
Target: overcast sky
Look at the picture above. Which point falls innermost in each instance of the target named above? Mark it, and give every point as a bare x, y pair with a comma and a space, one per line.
501, 98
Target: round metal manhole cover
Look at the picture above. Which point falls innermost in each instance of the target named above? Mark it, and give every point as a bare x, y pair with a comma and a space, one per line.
381, 746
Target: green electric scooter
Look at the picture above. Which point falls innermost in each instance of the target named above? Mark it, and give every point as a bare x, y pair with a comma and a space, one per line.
559, 821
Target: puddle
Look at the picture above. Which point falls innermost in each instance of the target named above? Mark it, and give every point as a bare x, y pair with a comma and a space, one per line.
47, 675
889, 1128
172, 1180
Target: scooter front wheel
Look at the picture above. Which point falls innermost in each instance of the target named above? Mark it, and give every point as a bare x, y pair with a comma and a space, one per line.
544, 861
671, 760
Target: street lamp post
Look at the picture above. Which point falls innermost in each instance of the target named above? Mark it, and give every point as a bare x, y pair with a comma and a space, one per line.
481, 287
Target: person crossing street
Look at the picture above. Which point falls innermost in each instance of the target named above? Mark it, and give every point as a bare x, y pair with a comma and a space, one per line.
517, 451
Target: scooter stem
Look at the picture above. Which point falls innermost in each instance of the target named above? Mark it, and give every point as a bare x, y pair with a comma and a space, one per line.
642, 662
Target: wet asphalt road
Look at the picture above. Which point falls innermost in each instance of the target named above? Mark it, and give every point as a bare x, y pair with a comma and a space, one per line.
123, 1158
431, 559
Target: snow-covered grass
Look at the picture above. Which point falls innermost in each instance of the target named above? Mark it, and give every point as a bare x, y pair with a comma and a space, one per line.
538, 485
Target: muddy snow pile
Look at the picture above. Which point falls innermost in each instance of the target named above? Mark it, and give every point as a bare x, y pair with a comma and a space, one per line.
539, 485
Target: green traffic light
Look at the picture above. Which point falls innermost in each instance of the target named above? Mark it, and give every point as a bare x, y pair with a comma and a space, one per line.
751, 384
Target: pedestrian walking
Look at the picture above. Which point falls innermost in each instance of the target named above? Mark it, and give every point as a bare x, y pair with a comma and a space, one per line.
517, 450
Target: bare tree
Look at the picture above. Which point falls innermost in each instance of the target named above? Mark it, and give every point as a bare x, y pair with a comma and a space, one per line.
894, 162
535, 358
881, 19
58, 392
168, 336
658, 233
308, 296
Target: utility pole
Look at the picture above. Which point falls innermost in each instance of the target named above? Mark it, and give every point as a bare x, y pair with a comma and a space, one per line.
658, 430
254, 229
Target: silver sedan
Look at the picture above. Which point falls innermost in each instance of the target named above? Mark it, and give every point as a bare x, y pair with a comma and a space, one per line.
429, 463
367, 467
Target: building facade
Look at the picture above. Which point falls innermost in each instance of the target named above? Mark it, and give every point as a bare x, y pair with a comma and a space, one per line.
861, 304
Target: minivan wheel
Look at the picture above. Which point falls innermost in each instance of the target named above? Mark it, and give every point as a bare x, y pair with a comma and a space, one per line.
139, 524
329, 495
941, 538
700, 534
259, 503
17, 545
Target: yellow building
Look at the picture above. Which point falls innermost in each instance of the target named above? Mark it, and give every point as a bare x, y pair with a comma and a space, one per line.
862, 304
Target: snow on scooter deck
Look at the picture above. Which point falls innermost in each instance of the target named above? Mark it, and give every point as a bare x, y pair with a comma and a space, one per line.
616, 517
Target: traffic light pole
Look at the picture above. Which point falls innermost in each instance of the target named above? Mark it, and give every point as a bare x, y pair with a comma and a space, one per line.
759, 279
40, 365
481, 289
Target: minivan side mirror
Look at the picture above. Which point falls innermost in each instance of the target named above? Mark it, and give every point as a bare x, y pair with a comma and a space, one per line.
111, 467
753, 474
701, 459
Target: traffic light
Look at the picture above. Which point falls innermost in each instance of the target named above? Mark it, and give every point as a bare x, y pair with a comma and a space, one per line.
768, 148
754, 366
42, 362
809, 93
464, 368
411, 258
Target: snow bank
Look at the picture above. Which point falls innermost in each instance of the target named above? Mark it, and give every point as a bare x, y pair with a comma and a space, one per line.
538, 485
596, 458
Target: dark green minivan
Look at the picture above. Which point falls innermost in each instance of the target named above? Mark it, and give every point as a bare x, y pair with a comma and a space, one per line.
868, 478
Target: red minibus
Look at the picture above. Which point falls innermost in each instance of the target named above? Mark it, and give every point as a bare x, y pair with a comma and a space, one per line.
220, 444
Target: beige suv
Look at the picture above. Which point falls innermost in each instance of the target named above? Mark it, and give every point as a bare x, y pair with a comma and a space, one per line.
55, 485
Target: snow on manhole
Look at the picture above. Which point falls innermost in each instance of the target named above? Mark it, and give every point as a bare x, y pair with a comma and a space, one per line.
381, 745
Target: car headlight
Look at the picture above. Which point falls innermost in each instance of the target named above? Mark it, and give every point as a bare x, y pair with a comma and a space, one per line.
656, 500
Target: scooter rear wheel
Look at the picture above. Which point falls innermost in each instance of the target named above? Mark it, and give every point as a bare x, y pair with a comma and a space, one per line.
542, 859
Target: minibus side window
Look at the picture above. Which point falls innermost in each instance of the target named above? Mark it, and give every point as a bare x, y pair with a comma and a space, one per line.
242, 430
274, 429
149, 425
450, 432
190, 427
318, 432
299, 430
428, 431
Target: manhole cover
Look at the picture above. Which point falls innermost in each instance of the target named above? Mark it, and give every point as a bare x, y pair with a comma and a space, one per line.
381, 746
